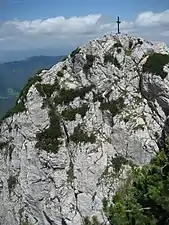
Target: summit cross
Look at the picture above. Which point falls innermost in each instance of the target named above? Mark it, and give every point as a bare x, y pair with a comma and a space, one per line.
118, 25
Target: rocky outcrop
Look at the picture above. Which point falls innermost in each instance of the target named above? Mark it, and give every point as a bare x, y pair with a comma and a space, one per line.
77, 129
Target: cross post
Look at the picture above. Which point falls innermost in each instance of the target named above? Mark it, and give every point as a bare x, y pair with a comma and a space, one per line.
118, 25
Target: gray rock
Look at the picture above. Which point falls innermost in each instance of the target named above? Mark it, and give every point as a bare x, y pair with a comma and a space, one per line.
64, 186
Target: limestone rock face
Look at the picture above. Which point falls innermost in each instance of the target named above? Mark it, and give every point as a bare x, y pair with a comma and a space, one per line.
76, 128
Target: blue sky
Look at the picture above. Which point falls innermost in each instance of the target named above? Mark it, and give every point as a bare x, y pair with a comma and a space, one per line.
41, 9
33, 27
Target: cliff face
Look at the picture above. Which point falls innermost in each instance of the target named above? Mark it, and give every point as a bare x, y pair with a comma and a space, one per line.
77, 128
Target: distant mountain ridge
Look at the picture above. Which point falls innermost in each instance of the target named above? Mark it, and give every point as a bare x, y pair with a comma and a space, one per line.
14, 75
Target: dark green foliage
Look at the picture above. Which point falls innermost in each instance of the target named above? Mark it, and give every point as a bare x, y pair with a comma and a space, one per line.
60, 73
144, 200
26, 223
70, 113
114, 106
130, 44
80, 136
74, 52
48, 139
119, 50
110, 58
90, 59
140, 41
64, 67
117, 162
45, 89
3, 144
97, 97
12, 181
70, 172
117, 45
155, 64
94, 221
66, 96
20, 105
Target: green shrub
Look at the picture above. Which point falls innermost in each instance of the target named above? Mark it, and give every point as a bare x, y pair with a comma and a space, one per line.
60, 73
66, 96
48, 139
110, 58
3, 144
114, 106
119, 50
74, 52
70, 172
130, 44
80, 136
12, 181
45, 89
94, 221
140, 41
64, 67
117, 45
70, 113
117, 162
144, 198
90, 59
155, 64
26, 223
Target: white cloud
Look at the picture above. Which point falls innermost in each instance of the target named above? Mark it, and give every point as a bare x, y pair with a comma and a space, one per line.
70, 32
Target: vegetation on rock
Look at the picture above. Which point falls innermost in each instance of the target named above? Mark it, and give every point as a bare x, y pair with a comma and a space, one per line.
114, 106
12, 181
93, 221
109, 57
90, 59
70, 172
144, 199
48, 139
3, 144
70, 113
117, 45
66, 96
80, 136
155, 64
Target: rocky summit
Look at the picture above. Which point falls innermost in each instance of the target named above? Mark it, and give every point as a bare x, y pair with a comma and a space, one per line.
77, 130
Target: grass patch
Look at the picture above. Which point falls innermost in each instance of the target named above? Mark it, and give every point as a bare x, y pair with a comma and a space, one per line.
80, 136
70, 114
155, 64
